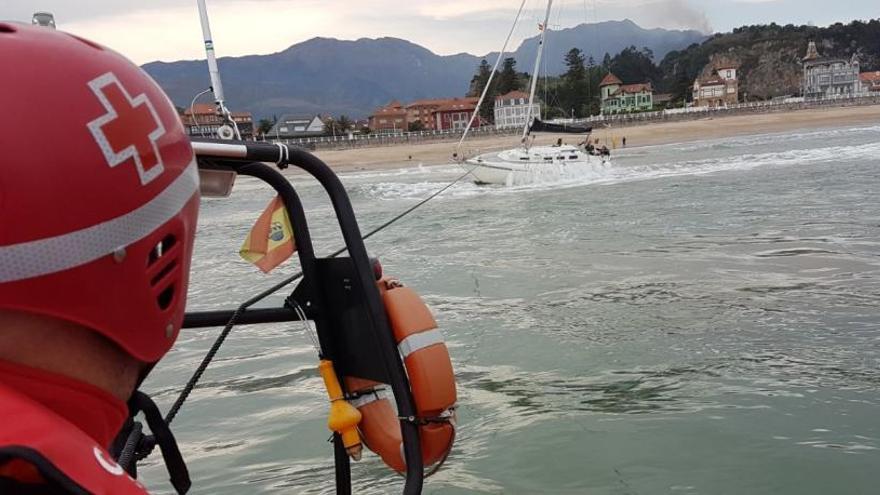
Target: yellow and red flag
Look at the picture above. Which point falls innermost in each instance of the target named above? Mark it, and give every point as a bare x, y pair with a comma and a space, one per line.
270, 241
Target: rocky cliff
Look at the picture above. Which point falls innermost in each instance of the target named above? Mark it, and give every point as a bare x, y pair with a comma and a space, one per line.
770, 57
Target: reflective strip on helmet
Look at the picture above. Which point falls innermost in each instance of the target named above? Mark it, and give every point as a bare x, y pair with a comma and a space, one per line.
369, 398
419, 341
66, 251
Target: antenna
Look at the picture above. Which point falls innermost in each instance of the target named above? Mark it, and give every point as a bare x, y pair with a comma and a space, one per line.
229, 130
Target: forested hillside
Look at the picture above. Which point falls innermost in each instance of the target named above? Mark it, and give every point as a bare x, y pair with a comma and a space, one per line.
769, 58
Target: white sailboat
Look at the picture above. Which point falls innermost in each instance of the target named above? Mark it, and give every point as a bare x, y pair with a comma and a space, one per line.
529, 163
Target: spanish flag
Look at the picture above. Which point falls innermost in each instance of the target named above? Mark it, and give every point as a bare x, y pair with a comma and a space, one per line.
270, 241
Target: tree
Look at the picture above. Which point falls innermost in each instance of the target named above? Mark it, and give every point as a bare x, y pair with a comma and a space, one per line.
575, 96
574, 61
594, 102
265, 125
337, 126
344, 123
416, 126
635, 66
478, 82
508, 78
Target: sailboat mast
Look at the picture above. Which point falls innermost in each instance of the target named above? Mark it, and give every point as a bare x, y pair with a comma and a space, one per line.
214, 73
534, 82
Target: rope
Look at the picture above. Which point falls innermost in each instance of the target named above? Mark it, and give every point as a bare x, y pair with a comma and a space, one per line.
489, 81
131, 445
194, 379
192, 111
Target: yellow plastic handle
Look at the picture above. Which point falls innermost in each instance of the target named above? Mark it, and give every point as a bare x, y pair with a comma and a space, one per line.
343, 417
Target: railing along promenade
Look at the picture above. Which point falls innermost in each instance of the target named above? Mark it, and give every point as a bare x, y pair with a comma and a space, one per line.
598, 121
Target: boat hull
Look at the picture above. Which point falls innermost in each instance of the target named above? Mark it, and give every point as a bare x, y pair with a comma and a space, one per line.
546, 164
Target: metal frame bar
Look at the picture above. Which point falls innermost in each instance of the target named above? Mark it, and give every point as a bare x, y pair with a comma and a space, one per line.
244, 158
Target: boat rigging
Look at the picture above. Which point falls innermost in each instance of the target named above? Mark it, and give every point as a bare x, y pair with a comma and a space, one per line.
229, 129
527, 163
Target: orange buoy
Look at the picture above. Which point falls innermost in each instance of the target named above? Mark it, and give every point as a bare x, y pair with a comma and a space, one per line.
431, 378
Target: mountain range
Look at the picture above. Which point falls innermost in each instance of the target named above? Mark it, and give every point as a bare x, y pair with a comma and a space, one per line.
330, 76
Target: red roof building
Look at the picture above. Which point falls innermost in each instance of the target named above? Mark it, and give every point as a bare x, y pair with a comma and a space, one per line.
434, 114
390, 118
424, 110
718, 90
870, 81
625, 98
632, 89
455, 114
609, 80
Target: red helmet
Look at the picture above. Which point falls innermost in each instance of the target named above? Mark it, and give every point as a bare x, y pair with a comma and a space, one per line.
98, 191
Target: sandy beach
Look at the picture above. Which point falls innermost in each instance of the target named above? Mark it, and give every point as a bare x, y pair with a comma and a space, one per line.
440, 152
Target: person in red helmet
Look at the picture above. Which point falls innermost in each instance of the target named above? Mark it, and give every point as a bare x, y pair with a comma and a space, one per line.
98, 206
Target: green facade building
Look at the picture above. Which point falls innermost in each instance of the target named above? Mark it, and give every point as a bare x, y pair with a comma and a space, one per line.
625, 98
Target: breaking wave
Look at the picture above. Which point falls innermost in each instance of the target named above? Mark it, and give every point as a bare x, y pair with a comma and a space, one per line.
431, 179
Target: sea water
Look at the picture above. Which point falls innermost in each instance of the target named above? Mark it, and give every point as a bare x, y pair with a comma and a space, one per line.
694, 319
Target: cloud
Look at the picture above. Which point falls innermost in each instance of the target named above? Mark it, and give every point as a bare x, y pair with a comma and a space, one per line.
169, 29
67, 10
674, 14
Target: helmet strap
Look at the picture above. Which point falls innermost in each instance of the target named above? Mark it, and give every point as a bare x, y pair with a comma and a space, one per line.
137, 445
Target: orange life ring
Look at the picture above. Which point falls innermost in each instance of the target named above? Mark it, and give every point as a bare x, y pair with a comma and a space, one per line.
431, 379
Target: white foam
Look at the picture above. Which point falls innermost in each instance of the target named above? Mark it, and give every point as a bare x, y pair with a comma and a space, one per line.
817, 136
614, 173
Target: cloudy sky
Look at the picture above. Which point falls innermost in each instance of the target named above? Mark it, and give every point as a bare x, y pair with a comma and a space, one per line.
169, 29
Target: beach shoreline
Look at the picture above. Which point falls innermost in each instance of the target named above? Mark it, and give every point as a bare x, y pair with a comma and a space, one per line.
664, 133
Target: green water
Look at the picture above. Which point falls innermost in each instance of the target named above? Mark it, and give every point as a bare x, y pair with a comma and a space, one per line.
696, 319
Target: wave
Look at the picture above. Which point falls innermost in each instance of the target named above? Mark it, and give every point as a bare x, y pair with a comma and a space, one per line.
818, 136
614, 174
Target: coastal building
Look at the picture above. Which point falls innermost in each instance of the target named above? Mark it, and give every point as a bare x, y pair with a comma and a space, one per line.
297, 126
201, 120
663, 100
455, 114
829, 77
618, 97
391, 118
425, 111
512, 109
870, 81
719, 89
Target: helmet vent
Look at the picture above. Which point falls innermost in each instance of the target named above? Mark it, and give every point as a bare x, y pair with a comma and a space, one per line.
6, 28
166, 297
165, 271
163, 260
161, 249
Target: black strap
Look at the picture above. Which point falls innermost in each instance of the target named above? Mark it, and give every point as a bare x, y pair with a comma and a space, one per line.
126, 445
162, 436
